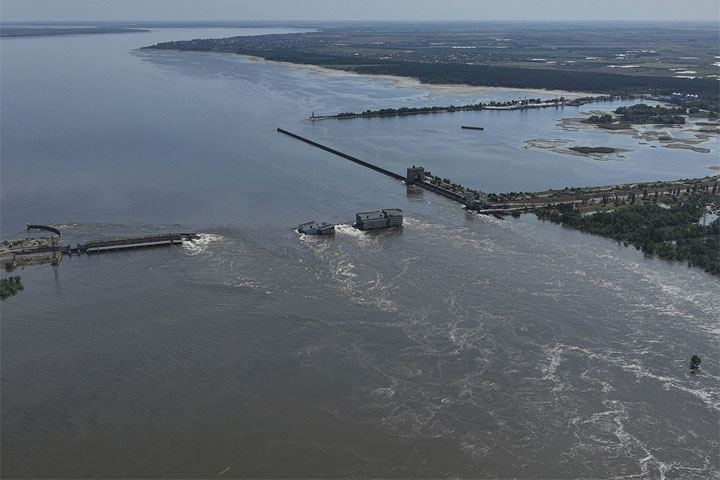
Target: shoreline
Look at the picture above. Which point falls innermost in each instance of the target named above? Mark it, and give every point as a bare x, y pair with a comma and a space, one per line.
435, 89
647, 133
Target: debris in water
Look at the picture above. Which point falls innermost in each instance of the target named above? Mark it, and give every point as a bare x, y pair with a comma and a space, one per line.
695, 362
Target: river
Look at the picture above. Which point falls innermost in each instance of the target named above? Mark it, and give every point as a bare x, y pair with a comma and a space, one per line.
458, 346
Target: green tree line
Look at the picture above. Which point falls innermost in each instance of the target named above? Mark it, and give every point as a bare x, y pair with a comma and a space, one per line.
671, 233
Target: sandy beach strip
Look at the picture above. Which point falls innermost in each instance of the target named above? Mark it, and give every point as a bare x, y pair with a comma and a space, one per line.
413, 83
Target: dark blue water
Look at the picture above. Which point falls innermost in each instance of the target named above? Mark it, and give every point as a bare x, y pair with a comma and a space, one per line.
459, 346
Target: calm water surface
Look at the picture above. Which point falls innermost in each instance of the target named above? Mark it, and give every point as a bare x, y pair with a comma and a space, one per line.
459, 346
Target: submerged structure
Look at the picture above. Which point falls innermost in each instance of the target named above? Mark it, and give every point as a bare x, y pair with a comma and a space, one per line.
390, 217
314, 228
36, 251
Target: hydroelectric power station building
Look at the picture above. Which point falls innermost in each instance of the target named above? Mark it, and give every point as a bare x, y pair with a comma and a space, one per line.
390, 217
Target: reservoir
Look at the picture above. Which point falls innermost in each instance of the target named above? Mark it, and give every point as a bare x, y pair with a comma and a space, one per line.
457, 346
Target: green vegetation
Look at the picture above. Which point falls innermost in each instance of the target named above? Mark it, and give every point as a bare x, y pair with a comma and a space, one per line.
447, 184
672, 233
10, 286
509, 105
551, 79
618, 59
512, 104
706, 106
600, 118
642, 113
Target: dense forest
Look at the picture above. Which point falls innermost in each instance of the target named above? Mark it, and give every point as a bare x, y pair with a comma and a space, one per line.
672, 232
493, 76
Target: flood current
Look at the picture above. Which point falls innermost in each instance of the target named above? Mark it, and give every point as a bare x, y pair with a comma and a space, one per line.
457, 346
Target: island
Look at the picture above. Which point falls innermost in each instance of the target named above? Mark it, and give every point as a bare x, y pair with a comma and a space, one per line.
594, 149
642, 114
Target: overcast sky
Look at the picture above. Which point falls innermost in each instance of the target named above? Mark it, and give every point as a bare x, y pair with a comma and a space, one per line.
42, 10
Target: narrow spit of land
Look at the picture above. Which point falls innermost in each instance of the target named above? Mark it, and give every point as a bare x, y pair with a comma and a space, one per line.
524, 104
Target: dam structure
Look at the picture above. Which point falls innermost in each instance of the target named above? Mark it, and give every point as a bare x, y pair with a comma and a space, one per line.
369, 165
115, 244
414, 176
50, 249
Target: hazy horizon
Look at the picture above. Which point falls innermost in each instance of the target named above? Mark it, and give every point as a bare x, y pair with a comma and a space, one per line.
340, 20
368, 10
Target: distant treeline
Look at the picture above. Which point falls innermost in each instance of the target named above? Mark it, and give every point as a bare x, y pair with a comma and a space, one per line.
642, 113
526, 103
543, 78
51, 31
671, 233
455, 73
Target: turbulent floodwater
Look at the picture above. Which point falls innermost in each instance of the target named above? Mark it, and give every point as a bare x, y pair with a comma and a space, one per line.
458, 346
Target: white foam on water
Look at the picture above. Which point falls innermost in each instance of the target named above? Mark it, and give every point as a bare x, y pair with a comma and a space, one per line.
344, 274
383, 392
710, 398
379, 293
347, 229
605, 432
201, 244
555, 357
244, 282
709, 395
319, 243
